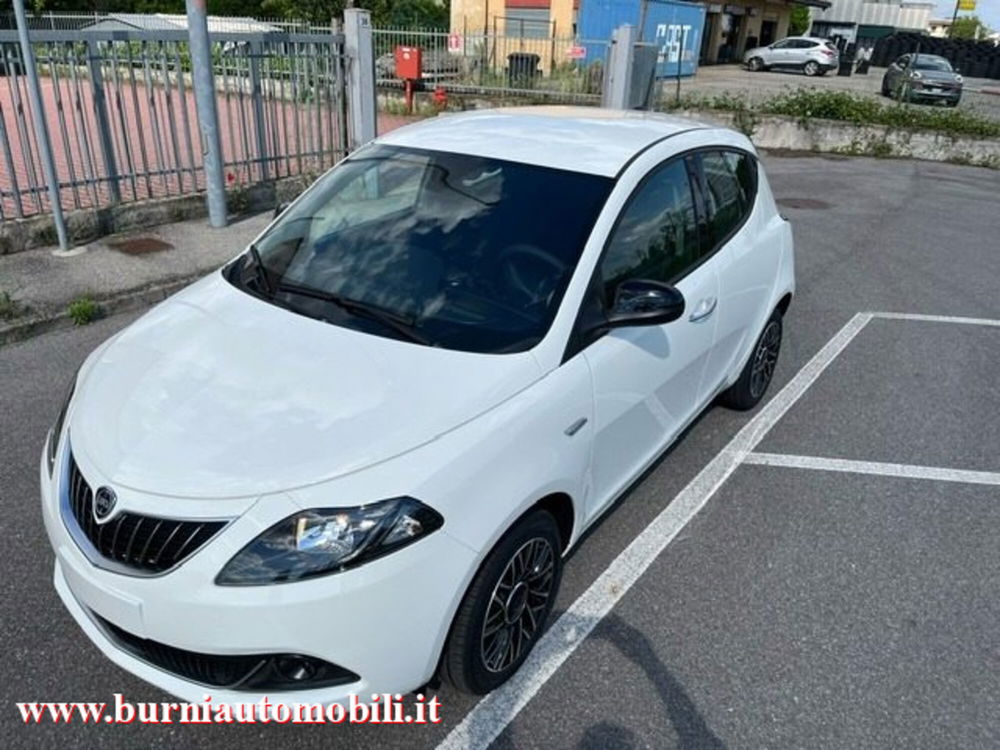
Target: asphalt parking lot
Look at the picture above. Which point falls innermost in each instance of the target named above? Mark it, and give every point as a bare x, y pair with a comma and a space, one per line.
822, 572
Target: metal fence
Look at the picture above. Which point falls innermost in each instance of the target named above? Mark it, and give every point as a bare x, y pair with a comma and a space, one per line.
120, 112
506, 62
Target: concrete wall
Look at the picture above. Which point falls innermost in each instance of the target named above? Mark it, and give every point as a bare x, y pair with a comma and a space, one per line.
828, 136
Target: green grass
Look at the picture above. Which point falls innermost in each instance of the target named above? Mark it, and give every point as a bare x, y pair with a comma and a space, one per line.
83, 310
857, 109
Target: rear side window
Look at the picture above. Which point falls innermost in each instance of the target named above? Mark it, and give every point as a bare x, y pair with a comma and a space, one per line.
730, 187
657, 235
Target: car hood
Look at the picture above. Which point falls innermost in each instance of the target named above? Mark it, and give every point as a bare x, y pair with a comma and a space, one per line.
217, 394
938, 76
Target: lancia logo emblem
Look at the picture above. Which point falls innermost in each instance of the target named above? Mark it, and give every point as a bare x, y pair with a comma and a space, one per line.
104, 502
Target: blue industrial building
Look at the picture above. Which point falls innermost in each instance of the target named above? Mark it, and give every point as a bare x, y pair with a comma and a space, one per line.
675, 27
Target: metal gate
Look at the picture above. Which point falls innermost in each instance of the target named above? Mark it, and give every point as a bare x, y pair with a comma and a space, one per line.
120, 113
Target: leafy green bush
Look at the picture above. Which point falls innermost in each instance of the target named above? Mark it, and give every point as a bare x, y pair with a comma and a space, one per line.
83, 311
10, 308
845, 106
866, 110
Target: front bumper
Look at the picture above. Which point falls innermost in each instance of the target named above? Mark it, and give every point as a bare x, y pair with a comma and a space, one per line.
385, 621
928, 94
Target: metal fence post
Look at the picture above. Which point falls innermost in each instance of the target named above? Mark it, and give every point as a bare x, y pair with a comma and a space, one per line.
102, 120
41, 125
257, 99
208, 115
342, 144
618, 79
360, 75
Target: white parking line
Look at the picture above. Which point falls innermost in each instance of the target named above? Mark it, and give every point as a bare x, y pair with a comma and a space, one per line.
938, 318
903, 471
493, 713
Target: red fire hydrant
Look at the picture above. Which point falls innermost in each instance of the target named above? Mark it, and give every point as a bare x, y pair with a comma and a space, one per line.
440, 97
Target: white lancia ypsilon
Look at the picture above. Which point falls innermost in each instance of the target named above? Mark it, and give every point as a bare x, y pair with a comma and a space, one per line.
354, 458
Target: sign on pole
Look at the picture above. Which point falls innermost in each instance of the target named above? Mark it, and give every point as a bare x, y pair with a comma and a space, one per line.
966, 4
576, 52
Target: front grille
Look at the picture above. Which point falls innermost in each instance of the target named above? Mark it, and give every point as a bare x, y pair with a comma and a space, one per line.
247, 672
148, 544
208, 669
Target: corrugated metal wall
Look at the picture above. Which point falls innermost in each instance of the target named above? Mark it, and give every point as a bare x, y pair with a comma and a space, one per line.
900, 15
667, 24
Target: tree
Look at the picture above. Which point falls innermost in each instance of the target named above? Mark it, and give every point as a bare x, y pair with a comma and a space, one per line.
968, 27
798, 22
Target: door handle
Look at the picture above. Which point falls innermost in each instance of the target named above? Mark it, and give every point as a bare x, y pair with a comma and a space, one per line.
704, 309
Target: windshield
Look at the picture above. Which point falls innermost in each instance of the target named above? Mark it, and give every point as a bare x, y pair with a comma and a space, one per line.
922, 62
443, 249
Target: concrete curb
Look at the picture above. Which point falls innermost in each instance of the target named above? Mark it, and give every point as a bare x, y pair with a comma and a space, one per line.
34, 324
89, 224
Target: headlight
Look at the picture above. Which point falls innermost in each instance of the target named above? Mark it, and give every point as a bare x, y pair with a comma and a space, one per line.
56, 432
915, 74
958, 78
327, 540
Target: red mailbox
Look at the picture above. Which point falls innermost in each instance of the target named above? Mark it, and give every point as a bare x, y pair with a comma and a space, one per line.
408, 61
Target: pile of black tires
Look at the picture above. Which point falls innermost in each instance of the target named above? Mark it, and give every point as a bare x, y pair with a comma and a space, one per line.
973, 59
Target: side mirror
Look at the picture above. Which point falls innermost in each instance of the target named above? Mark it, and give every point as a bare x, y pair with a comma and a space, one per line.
641, 302
280, 209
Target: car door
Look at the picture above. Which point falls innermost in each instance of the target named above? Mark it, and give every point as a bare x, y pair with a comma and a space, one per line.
798, 53
747, 246
777, 55
647, 379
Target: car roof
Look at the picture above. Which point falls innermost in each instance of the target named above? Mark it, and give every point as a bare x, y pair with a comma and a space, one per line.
578, 139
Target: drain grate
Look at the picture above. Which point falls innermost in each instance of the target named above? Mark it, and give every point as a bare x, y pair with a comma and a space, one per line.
140, 245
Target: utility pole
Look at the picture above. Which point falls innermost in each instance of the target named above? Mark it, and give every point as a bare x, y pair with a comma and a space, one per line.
208, 114
41, 125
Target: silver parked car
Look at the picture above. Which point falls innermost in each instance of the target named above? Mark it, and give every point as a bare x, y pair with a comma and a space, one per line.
923, 78
812, 55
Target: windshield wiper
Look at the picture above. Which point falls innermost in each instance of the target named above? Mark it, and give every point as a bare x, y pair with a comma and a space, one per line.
260, 272
399, 323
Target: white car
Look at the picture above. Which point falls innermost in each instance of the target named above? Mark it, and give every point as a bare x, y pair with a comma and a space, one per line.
354, 458
812, 55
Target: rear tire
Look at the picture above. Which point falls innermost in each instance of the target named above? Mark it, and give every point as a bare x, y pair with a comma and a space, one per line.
811, 68
504, 611
756, 375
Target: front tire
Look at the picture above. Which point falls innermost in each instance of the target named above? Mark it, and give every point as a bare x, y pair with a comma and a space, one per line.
755, 64
505, 609
756, 375
811, 68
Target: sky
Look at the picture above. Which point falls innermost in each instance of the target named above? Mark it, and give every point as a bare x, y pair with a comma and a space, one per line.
987, 10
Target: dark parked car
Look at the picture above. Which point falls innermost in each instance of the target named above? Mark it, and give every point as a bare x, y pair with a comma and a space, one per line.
919, 77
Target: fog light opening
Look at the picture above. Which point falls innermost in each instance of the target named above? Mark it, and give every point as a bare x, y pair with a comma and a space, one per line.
295, 668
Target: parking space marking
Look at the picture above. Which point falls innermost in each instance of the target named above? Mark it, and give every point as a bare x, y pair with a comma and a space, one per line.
492, 714
938, 318
903, 471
